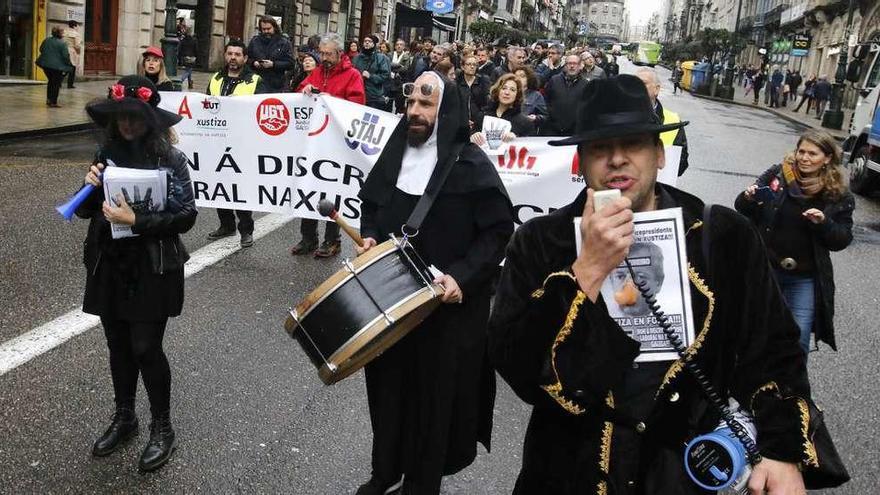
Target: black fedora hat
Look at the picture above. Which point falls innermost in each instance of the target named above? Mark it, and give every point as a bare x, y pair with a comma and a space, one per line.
132, 95
615, 107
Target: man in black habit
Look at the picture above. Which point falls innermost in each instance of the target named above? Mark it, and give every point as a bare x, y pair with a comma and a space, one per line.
602, 423
431, 395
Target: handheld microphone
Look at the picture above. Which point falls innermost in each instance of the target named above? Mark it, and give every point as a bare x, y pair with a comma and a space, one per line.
326, 208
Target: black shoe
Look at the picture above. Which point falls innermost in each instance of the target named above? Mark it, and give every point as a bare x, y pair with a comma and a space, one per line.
123, 427
304, 247
375, 487
328, 249
247, 240
221, 233
163, 443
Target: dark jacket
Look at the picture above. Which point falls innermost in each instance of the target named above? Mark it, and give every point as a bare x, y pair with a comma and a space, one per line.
189, 51
54, 55
277, 49
520, 124
488, 69
833, 235
477, 93
566, 356
139, 278
545, 73
822, 90
535, 104
379, 68
794, 81
563, 96
500, 71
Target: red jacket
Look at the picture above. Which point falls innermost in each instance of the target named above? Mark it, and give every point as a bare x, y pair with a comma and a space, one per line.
342, 81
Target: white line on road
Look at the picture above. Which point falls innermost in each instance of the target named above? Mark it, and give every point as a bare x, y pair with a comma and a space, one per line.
21, 349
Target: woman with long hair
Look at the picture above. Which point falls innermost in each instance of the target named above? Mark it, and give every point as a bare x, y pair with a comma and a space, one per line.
803, 209
134, 284
152, 66
505, 102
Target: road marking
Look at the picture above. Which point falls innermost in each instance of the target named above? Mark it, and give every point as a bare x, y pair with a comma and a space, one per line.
21, 349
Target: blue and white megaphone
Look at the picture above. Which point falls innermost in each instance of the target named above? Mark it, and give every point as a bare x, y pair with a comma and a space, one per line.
68, 208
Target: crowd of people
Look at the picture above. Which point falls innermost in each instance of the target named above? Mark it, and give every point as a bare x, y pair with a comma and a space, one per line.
783, 86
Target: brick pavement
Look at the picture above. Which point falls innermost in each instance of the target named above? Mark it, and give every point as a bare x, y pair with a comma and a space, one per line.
24, 110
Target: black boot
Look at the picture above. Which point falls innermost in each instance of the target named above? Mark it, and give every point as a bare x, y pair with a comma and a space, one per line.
375, 486
162, 444
123, 426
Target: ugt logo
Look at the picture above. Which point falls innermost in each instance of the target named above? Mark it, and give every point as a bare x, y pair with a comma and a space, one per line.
366, 133
521, 159
273, 116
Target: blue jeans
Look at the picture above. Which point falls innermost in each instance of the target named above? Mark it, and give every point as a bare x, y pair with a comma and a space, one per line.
799, 294
186, 74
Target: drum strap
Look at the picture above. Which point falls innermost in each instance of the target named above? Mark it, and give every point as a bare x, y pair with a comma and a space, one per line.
414, 222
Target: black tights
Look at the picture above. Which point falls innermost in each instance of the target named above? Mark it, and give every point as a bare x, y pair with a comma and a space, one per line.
136, 347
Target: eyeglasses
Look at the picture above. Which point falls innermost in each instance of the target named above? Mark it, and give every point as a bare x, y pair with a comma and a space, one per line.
425, 89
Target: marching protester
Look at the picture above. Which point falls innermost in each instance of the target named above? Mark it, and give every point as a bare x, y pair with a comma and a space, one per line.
270, 55
674, 137
534, 106
152, 67
376, 70
431, 395
485, 65
309, 62
537, 54
401, 61
72, 39
384, 49
602, 422
336, 77
551, 65
590, 70
563, 95
135, 284
236, 79
516, 58
354, 49
505, 102
475, 86
803, 209
54, 59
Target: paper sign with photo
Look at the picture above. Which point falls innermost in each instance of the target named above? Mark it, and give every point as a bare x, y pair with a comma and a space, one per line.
493, 129
143, 190
658, 257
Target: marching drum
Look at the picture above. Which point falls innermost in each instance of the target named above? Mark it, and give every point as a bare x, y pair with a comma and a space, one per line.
363, 309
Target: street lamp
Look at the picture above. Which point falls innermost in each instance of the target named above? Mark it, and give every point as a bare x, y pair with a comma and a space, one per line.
727, 90
170, 42
833, 117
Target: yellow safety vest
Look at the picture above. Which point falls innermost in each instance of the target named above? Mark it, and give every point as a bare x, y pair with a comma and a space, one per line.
242, 88
669, 117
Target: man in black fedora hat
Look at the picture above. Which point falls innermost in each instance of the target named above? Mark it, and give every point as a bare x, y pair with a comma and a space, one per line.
602, 423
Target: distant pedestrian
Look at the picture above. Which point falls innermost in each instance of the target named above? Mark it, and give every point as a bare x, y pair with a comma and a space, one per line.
808, 94
822, 93
776, 80
758, 81
54, 59
794, 83
152, 67
401, 60
135, 284
551, 65
375, 68
270, 55
74, 48
188, 57
677, 73
673, 137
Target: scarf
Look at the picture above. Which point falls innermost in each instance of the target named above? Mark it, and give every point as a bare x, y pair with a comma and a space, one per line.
798, 185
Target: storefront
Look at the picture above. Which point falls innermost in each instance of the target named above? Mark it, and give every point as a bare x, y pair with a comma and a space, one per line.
17, 37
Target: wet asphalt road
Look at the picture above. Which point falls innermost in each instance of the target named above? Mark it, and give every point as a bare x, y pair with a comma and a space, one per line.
251, 414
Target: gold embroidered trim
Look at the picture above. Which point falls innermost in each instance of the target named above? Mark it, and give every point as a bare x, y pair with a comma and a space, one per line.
691, 351
811, 458
539, 293
555, 389
763, 388
602, 488
696, 225
605, 448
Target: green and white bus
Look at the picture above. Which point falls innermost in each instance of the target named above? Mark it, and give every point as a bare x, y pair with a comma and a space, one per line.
644, 52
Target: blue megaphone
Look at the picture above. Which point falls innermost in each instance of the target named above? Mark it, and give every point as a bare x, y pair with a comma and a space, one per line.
68, 208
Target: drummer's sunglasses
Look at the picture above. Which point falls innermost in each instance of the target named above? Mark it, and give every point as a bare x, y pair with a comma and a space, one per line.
424, 89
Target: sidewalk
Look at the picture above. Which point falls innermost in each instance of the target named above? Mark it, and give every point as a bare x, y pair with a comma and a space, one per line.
787, 113
25, 112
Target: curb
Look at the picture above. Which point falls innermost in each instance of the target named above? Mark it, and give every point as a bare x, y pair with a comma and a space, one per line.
834, 132
48, 131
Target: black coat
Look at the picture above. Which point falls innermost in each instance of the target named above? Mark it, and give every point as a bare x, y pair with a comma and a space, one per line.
564, 355
477, 93
487, 70
563, 98
833, 235
521, 125
139, 278
277, 49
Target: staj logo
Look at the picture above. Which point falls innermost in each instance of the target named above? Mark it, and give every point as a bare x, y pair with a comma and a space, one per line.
366, 133
273, 116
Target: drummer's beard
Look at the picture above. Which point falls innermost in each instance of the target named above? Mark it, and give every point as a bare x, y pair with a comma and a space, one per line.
418, 130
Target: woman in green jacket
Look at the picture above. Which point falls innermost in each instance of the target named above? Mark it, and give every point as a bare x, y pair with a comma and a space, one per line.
54, 59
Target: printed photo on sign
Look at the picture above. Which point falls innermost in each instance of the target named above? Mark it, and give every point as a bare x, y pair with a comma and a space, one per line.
658, 259
493, 129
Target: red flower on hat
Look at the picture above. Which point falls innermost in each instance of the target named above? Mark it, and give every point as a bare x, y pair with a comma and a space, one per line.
117, 92
145, 94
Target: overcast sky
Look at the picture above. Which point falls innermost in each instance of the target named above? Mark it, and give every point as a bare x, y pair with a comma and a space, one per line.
641, 10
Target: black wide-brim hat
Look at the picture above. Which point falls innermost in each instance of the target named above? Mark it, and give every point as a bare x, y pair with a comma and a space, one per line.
615, 107
132, 95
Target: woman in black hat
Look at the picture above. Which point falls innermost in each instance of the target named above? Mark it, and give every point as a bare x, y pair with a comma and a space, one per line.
135, 284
